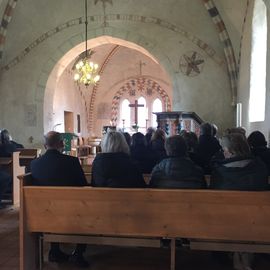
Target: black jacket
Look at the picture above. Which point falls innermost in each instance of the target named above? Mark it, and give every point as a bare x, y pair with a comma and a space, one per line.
158, 150
115, 170
240, 174
208, 146
56, 169
177, 172
264, 153
143, 158
7, 149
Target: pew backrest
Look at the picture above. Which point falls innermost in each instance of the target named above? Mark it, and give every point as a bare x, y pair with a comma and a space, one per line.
12, 166
29, 152
203, 214
27, 155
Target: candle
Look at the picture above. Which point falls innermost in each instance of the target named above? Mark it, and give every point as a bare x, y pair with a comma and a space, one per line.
239, 114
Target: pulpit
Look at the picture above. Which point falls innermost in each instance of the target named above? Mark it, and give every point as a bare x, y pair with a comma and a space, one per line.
173, 122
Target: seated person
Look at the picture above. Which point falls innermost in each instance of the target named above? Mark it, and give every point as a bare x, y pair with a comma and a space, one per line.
113, 167
177, 171
57, 169
239, 170
149, 133
157, 145
192, 142
5, 183
128, 138
6, 145
258, 147
208, 146
140, 153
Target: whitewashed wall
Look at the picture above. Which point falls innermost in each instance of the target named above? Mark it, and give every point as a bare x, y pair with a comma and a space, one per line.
22, 86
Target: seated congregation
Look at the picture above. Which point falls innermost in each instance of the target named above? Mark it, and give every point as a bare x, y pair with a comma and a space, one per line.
7, 147
179, 162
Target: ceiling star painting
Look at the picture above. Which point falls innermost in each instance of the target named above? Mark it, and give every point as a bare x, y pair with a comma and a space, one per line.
191, 64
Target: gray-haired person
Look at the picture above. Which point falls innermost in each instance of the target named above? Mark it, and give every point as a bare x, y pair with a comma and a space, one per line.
177, 171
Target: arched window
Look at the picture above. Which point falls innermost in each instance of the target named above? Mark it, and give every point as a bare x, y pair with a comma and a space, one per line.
125, 113
142, 114
258, 63
157, 107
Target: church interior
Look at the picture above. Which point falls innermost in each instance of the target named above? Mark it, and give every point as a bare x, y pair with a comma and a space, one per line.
196, 61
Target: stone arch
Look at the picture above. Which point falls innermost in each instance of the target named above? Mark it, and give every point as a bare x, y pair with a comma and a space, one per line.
110, 31
56, 65
6, 19
209, 4
228, 48
141, 84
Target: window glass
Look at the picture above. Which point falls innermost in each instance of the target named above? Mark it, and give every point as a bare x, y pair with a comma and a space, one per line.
125, 113
142, 114
258, 63
157, 107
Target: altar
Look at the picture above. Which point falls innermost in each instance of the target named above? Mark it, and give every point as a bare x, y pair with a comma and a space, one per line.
173, 122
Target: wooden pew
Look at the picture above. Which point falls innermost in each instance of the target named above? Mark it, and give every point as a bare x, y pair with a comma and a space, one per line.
212, 220
12, 166
27, 155
87, 169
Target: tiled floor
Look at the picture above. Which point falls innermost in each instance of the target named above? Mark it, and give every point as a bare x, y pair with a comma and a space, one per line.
111, 258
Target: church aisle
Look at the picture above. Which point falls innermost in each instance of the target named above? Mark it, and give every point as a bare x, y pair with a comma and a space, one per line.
9, 239
109, 258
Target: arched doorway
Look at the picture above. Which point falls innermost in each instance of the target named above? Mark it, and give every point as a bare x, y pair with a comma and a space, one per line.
120, 62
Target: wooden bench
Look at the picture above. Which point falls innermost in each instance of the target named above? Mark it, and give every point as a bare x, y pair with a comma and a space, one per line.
27, 155
211, 220
12, 166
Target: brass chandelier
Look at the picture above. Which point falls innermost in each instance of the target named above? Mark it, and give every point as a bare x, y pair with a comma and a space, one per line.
86, 71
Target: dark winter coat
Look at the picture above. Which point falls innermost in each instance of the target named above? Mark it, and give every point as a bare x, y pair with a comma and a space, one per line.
116, 170
246, 173
177, 172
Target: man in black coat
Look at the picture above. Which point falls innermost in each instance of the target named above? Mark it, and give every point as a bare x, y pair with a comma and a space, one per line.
5, 184
57, 169
208, 147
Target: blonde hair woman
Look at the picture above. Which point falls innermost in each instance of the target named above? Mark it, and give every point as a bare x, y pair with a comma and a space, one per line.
113, 167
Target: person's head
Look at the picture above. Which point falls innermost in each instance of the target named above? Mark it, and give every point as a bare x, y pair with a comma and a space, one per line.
206, 129
114, 142
191, 140
127, 137
53, 140
150, 130
176, 146
256, 139
235, 144
183, 132
239, 130
138, 139
5, 136
159, 134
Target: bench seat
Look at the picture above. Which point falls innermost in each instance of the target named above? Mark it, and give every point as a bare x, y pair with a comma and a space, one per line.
213, 220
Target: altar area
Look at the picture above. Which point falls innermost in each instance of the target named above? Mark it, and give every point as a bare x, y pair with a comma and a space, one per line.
86, 148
